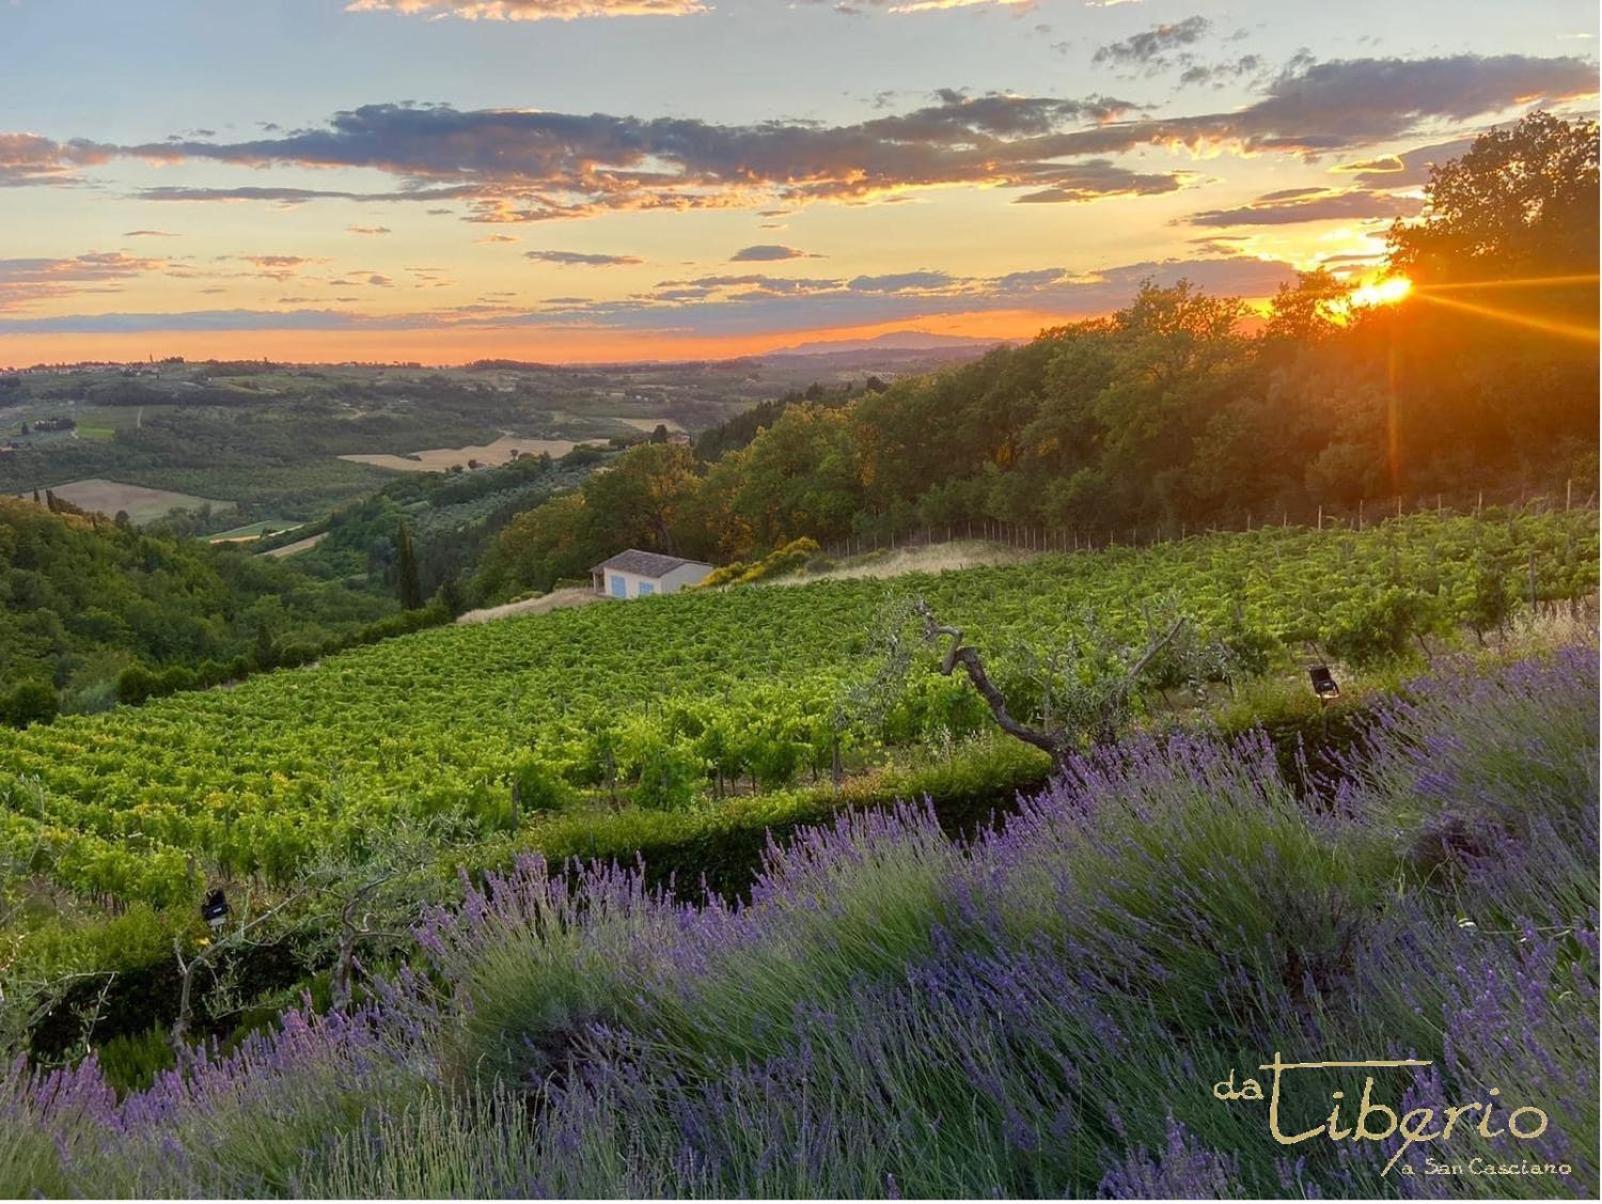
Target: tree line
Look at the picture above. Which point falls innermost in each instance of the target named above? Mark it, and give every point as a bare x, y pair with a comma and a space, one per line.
1182, 406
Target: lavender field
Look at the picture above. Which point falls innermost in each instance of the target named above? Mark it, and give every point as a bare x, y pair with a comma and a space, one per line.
1049, 1010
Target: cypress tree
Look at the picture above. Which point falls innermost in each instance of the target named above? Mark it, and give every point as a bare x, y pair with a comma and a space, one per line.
411, 588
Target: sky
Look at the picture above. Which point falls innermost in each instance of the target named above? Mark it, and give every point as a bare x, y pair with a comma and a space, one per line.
598, 180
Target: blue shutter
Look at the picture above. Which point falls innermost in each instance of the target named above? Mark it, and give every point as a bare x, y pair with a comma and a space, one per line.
620, 587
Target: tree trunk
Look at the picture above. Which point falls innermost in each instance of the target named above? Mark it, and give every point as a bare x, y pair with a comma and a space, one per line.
1057, 743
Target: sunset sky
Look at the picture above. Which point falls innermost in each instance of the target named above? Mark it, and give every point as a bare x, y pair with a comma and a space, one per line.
441, 180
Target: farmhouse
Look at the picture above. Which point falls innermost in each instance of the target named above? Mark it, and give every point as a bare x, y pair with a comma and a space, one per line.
634, 574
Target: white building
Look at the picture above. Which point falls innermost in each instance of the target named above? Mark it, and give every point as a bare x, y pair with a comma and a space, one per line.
636, 574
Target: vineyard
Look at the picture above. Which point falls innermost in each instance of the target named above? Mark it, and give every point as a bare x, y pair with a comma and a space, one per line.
676, 702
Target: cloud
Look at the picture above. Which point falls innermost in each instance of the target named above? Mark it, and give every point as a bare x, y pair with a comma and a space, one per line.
1149, 48
714, 305
767, 253
520, 165
514, 165
1219, 74
1295, 205
28, 159
277, 267
579, 258
150, 234
1410, 169
904, 7
371, 230
1311, 107
194, 320
299, 196
25, 281
743, 304
531, 10
1097, 178
494, 238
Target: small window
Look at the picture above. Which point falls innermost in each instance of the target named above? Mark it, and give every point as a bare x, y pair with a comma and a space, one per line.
647, 587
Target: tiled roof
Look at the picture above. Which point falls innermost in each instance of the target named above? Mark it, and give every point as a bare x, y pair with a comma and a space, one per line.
646, 564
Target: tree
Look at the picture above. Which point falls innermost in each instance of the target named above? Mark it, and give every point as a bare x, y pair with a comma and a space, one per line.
638, 501
368, 902
1306, 312
1495, 362
28, 702
800, 478
1521, 202
408, 581
1178, 359
1098, 678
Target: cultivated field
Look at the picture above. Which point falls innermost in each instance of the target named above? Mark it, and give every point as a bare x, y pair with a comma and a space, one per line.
300, 545
438, 459
142, 503
666, 703
253, 531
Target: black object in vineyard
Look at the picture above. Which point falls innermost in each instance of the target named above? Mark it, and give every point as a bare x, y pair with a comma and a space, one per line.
214, 910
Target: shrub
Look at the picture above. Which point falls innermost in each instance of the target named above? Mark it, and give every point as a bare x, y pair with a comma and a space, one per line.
131, 1063
538, 785
28, 702
1366, 632
135, 684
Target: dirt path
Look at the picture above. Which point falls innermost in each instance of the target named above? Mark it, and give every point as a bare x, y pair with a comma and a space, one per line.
300, 545
935, 558
556, 600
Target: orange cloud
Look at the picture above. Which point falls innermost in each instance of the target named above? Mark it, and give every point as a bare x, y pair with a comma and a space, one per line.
531, 10
26, 281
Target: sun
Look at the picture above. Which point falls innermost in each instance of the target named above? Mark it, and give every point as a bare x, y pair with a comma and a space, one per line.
1388, 291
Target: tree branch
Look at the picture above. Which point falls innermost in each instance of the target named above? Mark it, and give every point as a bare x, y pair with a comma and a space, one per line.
1053, 743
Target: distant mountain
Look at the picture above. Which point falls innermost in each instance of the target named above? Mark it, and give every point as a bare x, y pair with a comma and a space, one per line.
896, 340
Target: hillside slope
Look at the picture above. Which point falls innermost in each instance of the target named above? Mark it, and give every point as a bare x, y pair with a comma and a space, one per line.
81, 598
666, 701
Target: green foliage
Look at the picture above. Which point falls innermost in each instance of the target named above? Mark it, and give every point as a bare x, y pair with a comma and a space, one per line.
792, 557
132, 1063
702, 694
738, 432
1368, 631
84, 602
1492, 600
636, 503
1521, 202
538, 785
28, 702
408, 582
